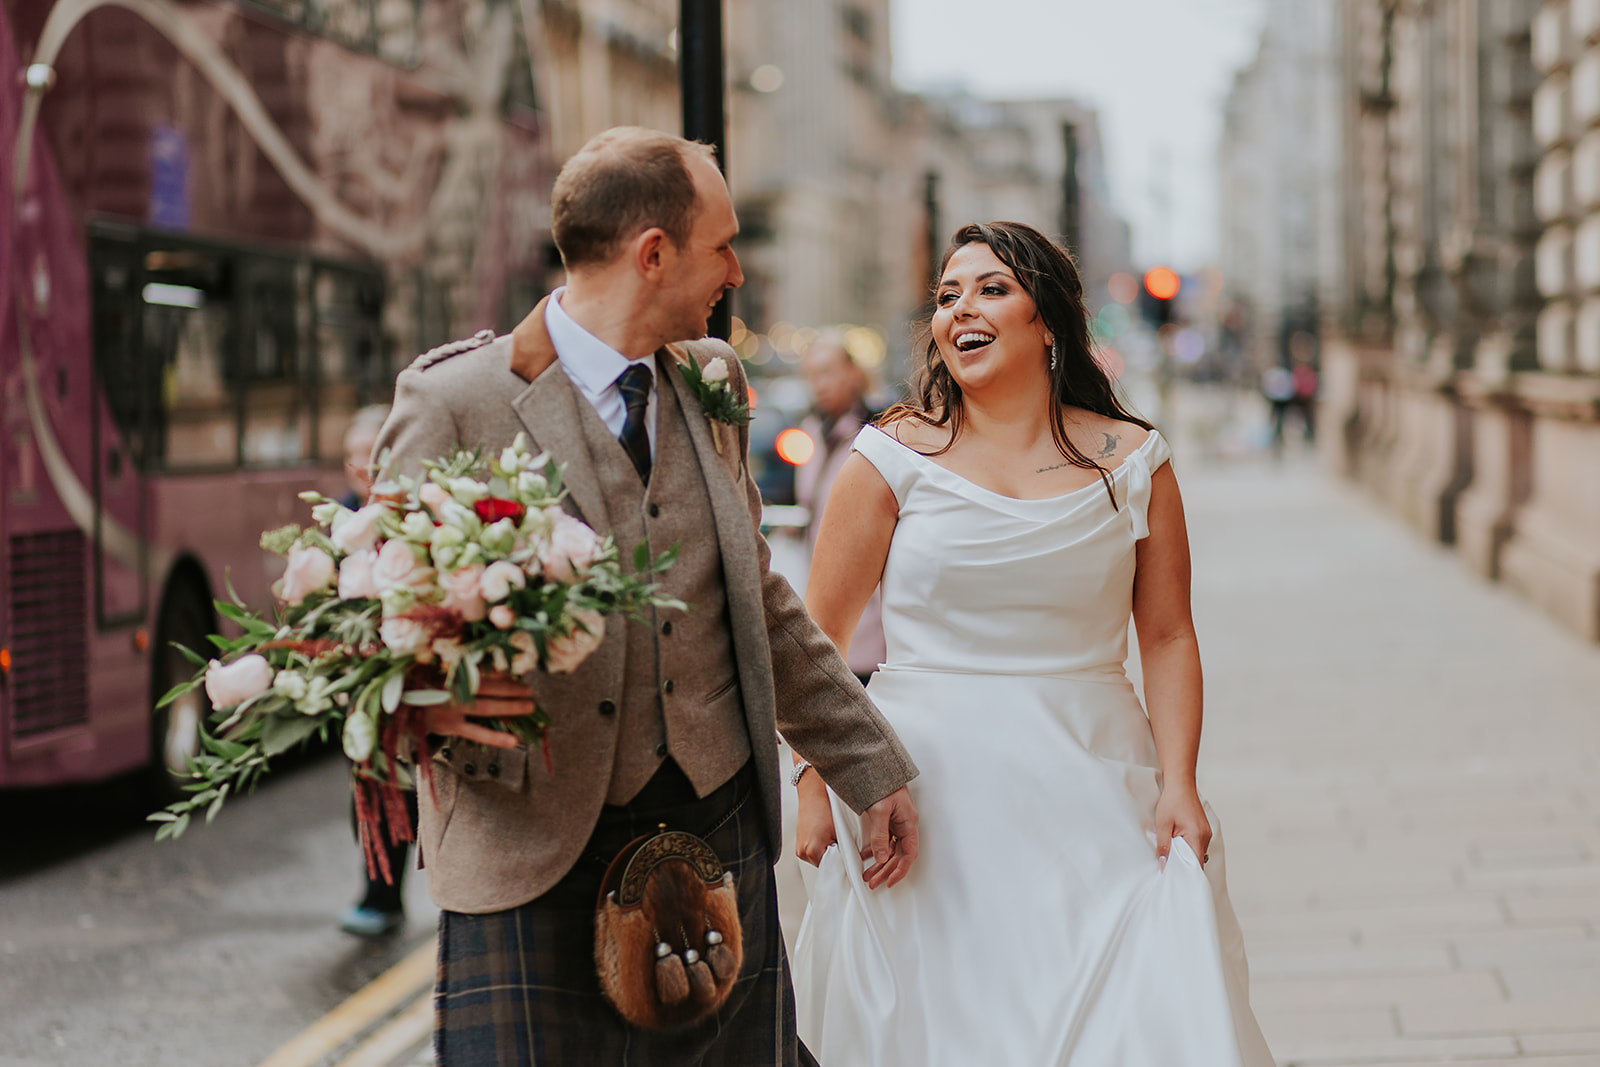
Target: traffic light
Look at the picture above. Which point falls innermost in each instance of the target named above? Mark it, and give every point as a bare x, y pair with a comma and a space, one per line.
1156, 296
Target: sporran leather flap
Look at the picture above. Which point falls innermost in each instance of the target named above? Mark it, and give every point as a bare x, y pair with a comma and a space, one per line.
668, 944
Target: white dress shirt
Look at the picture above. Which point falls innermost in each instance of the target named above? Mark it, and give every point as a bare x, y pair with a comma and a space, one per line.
594, 368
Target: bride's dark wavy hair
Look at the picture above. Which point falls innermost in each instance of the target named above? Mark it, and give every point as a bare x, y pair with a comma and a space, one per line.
1047, 274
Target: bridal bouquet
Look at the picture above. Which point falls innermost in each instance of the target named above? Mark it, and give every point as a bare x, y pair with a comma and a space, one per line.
452, 587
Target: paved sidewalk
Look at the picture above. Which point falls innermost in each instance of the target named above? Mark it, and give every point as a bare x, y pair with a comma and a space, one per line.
1406, 761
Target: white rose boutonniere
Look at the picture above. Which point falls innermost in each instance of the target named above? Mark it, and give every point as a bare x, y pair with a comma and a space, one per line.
713, 389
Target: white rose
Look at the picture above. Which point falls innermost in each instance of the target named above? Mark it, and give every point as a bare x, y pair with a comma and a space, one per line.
715, 371
571, 546
467, 491
526, 661
230, 684
563, 654
397, 568
360, 737
434, 495
461, 592
406, 637
310, 570
531, 485
355, 576
514, 459
461, 518
500, 537
502, 616
499, 579
417, 527
357, 531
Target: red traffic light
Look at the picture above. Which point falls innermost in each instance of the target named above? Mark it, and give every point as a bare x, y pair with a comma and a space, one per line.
1162, 283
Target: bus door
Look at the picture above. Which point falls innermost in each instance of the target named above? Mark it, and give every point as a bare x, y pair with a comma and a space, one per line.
119, 431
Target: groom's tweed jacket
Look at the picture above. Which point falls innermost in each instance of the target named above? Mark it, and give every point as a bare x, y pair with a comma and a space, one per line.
499, 829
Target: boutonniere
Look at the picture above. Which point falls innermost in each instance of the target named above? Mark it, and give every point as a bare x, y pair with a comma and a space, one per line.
717, 399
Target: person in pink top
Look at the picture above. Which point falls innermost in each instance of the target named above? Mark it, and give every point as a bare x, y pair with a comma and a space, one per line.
839, 410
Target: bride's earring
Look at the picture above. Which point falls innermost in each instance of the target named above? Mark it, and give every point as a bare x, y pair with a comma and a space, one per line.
1055, 354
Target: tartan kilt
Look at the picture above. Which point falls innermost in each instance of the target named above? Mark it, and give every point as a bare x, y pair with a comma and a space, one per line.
518, 988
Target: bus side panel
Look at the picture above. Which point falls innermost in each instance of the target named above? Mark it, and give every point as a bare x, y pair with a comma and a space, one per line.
63, 674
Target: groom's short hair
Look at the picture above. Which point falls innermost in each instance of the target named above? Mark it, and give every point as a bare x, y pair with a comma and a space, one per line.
623, 182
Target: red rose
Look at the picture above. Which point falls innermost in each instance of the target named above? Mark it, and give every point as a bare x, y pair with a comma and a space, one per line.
492, 509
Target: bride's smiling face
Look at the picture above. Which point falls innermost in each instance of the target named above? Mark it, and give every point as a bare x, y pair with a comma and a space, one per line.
985, 324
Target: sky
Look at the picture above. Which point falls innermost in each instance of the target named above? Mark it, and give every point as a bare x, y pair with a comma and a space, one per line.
1157, 71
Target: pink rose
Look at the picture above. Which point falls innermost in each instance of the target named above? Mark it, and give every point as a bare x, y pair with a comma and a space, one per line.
570, 547
310, 570
234, 683
527, 658
499, 578
449, 650
397, 568
357, 531
434, 495
407, 637
461, 591
565, 653
502, 616
355, 576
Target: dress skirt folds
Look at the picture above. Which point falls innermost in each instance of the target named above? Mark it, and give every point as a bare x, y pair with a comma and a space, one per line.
1037, 927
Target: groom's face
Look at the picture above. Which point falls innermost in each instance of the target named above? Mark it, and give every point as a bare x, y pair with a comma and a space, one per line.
706, 265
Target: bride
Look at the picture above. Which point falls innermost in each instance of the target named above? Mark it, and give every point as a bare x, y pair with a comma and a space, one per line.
1068, 905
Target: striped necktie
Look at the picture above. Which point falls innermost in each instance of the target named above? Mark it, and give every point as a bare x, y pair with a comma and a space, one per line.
634, 384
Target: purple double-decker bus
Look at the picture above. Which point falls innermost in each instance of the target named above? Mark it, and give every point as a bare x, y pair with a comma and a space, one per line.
224, 223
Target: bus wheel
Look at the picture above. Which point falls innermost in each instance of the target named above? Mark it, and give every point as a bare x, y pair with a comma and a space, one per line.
175, 729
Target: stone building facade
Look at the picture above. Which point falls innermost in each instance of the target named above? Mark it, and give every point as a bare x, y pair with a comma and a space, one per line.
1279, 237
1463, 385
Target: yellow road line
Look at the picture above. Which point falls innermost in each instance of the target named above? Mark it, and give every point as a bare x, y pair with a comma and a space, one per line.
363, 1008
397, 1037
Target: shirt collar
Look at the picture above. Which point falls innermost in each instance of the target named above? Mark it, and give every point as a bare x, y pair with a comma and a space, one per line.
595, 364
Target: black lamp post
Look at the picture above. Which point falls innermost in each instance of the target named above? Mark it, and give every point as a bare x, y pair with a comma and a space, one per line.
701, 85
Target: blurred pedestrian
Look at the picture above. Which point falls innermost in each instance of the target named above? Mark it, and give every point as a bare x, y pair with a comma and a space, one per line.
839, 411
1302, 350
1277, 385
381, 909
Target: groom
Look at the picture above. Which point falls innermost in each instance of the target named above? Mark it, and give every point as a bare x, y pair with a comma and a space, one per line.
669, 724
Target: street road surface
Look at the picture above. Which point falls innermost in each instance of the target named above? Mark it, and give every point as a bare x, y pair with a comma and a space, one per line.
1403, 759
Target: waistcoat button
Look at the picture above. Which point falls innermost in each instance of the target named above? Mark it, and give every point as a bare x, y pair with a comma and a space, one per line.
661, 750
470, 768
655, 510
666, 628
666, 686
494, 770
608, 707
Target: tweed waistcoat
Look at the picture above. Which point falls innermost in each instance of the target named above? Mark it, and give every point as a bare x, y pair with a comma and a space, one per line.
697, 717
499, 827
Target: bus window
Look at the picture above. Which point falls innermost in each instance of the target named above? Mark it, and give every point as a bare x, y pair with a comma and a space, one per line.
271, 370
188, 314
352, 369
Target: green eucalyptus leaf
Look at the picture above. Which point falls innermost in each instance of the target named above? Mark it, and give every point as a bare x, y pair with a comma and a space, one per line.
280, 733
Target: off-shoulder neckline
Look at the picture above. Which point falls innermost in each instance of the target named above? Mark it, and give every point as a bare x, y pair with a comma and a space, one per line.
1149, 438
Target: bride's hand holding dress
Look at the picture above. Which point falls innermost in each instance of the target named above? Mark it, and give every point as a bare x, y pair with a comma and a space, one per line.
1170, 654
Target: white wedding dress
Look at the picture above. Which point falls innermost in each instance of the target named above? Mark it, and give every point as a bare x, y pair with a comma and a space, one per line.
1036, 928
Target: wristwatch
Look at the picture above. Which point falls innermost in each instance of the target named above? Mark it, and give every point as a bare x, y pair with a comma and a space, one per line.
799, 769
